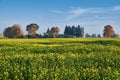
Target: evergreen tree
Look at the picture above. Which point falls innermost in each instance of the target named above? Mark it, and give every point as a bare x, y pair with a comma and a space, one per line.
73, 31
47, 34
48, 30
69, 30
99, 36
78, 31
66, 30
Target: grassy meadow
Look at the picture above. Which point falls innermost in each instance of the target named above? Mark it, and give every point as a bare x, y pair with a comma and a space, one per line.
60, 59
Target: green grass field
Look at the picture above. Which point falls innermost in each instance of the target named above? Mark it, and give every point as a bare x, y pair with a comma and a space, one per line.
1, 36
60, 59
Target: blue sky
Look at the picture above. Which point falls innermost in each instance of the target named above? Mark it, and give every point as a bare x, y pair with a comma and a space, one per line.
93, 15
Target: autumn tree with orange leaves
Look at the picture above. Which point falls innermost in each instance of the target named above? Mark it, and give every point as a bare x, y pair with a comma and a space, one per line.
13, 32
108, 31
54, 31
32, 28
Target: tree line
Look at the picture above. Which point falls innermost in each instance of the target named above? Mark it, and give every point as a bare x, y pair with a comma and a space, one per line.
16, 31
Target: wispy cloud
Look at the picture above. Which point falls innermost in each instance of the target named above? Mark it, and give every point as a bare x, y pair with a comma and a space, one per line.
58, 11
77, 11
116, 8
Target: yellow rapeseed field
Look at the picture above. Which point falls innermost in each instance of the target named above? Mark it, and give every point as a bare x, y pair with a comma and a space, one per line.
60, 59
